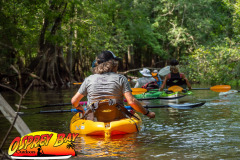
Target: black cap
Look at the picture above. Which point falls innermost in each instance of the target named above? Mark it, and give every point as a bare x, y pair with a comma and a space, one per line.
174, 62
105, 56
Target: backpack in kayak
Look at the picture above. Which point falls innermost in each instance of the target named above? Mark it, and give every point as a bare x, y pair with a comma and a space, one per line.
106, 111
151, 85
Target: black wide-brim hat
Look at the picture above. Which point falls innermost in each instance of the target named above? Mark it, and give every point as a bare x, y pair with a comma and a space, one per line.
105, 56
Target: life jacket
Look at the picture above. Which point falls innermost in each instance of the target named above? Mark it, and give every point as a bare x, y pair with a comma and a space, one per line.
106, 111
175, 79
151, 85
155, 76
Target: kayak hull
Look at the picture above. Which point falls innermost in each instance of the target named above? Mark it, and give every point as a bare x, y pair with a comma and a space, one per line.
107, 129
155, 93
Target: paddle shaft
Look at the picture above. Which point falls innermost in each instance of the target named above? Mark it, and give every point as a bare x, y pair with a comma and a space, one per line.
75, 110
130, 108
52, 105
57, 111
164, 98
160, 106
176, 106
200, 88
85, 102
221, 88
217, 88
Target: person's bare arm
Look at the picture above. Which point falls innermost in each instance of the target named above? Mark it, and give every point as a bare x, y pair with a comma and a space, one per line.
188, 83
164, 83
134, 103
76, 99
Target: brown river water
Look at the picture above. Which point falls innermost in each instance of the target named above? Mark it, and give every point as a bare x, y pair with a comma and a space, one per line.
211, 131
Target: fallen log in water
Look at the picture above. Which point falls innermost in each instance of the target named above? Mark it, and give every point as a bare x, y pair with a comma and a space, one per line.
10, 114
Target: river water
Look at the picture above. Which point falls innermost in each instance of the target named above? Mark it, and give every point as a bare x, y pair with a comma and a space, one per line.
209, 132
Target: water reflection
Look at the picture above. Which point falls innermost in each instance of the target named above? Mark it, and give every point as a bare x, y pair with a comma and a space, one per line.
207, 132
98, 146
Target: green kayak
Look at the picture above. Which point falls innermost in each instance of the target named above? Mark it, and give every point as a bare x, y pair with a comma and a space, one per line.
156, 93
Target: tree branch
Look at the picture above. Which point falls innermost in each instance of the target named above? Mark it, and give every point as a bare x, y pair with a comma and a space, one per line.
41, 80
9, 47
133, 70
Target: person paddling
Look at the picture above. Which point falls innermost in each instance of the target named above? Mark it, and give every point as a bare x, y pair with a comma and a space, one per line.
147, 78
104, 84
174, 77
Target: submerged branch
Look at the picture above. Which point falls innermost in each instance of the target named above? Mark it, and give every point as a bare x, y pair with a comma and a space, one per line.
11, 89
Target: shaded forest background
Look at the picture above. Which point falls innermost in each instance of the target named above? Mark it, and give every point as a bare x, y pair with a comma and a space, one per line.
57, 40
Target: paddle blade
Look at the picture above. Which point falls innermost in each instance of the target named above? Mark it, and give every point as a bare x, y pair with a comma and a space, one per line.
136, 91
164, 71
221, 88
175, 89
186, 105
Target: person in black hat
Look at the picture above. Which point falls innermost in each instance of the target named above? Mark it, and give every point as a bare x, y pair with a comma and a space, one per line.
174, 77
105, 83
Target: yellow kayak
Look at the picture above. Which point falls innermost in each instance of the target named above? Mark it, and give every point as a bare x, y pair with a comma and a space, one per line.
107, 129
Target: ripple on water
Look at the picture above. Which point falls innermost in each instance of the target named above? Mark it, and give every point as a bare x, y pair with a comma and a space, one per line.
207, 132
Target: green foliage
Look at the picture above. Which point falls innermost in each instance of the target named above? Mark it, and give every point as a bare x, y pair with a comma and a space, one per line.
202, 33
218, 64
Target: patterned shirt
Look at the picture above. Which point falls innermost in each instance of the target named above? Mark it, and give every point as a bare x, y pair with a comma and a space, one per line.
142, 81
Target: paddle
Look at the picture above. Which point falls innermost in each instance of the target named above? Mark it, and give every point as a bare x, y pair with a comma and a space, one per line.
164, 71
52, 105
165, 98
176, 106
50, 111
85, 102
217, 88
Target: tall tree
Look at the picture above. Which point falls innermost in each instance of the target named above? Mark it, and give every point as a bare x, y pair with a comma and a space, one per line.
49, 63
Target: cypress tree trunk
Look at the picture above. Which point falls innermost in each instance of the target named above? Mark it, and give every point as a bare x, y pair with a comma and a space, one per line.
50, 65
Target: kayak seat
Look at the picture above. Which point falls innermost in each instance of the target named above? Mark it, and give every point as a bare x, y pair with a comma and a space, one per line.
104, 111
169, 92
183, 91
